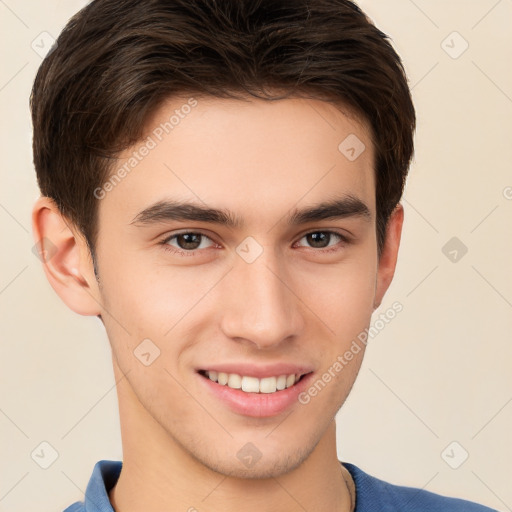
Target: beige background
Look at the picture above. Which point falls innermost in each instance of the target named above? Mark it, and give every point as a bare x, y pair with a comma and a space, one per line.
439, 372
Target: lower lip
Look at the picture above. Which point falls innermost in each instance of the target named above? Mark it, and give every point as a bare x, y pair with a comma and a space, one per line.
257, 405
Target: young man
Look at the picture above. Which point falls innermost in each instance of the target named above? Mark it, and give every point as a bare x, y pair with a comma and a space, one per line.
220, 185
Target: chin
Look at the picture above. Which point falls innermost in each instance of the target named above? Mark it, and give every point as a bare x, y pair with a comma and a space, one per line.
261, 460
266, 467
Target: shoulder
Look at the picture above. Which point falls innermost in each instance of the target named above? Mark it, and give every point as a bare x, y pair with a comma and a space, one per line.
373, 494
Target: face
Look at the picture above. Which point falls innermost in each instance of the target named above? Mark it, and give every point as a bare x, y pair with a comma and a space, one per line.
273, 292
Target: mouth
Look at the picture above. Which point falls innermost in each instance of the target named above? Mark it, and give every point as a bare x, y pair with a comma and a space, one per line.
254, 385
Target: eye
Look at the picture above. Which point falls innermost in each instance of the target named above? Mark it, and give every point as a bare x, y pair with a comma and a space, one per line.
188, 243
323, 239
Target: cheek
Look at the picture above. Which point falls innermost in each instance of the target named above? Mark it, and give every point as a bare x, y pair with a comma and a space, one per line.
146, 299
342, 295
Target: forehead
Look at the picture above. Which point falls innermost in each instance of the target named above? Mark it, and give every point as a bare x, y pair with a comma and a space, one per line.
257, 158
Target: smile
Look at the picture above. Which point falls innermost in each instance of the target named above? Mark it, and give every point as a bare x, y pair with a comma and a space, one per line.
253, 384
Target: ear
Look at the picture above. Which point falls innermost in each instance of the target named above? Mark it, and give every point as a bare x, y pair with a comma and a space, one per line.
389, 254
66, 258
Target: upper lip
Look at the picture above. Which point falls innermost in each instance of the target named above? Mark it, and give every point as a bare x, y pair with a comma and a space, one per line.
259, 371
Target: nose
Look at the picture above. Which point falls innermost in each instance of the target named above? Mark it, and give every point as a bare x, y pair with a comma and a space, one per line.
261, 306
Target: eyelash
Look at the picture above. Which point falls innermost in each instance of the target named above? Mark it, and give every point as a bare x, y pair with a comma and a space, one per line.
194, 252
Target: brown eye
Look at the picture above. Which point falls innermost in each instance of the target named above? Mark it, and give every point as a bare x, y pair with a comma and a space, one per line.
186, 243
189, 241
323, 239
319, 239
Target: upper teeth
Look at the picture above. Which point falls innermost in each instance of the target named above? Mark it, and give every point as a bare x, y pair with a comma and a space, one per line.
253, 384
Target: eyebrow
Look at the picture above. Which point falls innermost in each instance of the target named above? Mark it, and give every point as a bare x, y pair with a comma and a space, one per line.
167, 210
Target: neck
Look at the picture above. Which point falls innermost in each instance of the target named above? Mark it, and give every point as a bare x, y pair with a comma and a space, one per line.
159, 474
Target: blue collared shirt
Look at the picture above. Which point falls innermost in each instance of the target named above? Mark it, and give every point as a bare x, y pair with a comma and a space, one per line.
372, 494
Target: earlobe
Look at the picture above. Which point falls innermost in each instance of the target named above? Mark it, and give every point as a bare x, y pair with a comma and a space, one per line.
65, 257
389, 254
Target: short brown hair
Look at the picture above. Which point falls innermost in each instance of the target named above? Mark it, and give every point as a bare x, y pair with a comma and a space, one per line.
116, 61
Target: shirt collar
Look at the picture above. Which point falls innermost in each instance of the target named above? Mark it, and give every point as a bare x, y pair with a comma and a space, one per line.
104, 476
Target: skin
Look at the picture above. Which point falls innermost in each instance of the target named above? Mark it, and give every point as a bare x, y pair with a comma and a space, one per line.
294, 303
